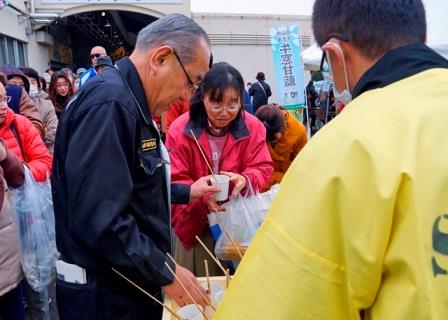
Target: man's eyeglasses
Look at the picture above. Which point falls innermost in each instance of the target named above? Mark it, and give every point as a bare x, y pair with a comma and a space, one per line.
95, 55
324, 59
191, 84
5, 99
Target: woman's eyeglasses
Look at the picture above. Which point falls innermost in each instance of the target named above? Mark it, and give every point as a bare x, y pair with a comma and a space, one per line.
5, 99
214, 107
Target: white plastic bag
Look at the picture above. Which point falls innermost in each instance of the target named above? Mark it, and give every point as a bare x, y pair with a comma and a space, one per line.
242, 218
32, 205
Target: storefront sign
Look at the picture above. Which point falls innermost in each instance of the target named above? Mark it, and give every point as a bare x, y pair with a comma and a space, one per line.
61, 53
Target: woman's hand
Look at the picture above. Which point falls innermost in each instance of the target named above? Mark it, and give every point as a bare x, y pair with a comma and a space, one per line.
213, 206
239, 182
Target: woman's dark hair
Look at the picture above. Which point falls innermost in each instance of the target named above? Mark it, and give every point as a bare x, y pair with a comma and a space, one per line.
272, 118
3, 79
216, 81
260, 76
59, 101
43, 83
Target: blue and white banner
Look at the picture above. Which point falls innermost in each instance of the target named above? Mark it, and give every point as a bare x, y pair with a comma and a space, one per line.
288, 64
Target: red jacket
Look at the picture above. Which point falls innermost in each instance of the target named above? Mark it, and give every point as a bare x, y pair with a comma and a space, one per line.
36, 154
245, 152
175, 110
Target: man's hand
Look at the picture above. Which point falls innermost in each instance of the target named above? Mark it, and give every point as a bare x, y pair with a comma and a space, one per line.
178, 294
213, 206
201, 187
239, 182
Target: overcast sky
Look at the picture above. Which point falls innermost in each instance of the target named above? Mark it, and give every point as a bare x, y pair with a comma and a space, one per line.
294, 7
436, 11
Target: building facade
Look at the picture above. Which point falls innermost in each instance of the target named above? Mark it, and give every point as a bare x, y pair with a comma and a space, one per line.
60, 33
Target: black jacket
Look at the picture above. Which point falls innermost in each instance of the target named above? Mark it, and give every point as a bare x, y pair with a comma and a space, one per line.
109, 188
260, 97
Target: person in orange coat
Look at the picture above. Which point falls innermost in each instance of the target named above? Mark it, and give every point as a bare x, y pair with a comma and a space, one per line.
285, 136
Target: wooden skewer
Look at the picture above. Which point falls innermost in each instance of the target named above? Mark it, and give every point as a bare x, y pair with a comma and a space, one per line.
203, 155
227, 278
211, 255
186, 291
234, 244
193, 285
149, 295
209, 289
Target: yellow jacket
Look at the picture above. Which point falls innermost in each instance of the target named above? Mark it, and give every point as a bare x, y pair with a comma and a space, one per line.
286, 149
361, 219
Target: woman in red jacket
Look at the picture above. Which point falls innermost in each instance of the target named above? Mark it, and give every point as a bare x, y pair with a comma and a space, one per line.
234, 144
25, 142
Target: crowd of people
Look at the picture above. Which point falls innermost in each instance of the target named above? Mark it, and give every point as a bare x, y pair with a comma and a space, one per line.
132, 148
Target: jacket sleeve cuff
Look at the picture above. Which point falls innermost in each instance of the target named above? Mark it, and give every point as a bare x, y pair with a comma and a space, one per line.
168, 277
180, 193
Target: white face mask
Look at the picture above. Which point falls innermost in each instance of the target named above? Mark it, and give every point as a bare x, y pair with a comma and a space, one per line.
33, 91
345, 96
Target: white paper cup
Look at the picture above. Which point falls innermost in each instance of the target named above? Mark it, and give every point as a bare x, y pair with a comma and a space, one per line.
190, 312
222, 182
214, 286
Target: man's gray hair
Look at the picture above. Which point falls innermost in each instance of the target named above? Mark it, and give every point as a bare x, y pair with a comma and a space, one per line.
175, 30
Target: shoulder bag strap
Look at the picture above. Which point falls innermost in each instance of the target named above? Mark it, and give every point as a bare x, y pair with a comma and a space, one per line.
17, 136
262, 88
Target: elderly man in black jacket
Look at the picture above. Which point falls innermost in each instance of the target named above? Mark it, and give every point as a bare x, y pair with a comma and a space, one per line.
111, 177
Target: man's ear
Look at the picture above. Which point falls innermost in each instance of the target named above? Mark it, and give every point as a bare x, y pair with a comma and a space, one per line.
159, 57
337, 60
335, 55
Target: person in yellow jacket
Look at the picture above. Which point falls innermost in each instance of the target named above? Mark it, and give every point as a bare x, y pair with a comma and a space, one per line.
359, 229
285, 137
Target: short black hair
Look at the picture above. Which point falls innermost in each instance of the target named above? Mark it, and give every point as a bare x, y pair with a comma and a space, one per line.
372, 26
260, 76
43, 83
31, 73
220, 77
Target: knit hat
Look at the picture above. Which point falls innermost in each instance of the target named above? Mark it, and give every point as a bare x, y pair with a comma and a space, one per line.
31, 73
12, 72
103, 61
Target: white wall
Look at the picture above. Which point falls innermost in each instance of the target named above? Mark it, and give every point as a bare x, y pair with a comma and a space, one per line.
252, 52
10, 26
436, 11
249, 60
37, 55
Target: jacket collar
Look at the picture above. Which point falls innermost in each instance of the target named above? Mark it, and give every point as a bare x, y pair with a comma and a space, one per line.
132, 80
238, 129
10, 116
398, 64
